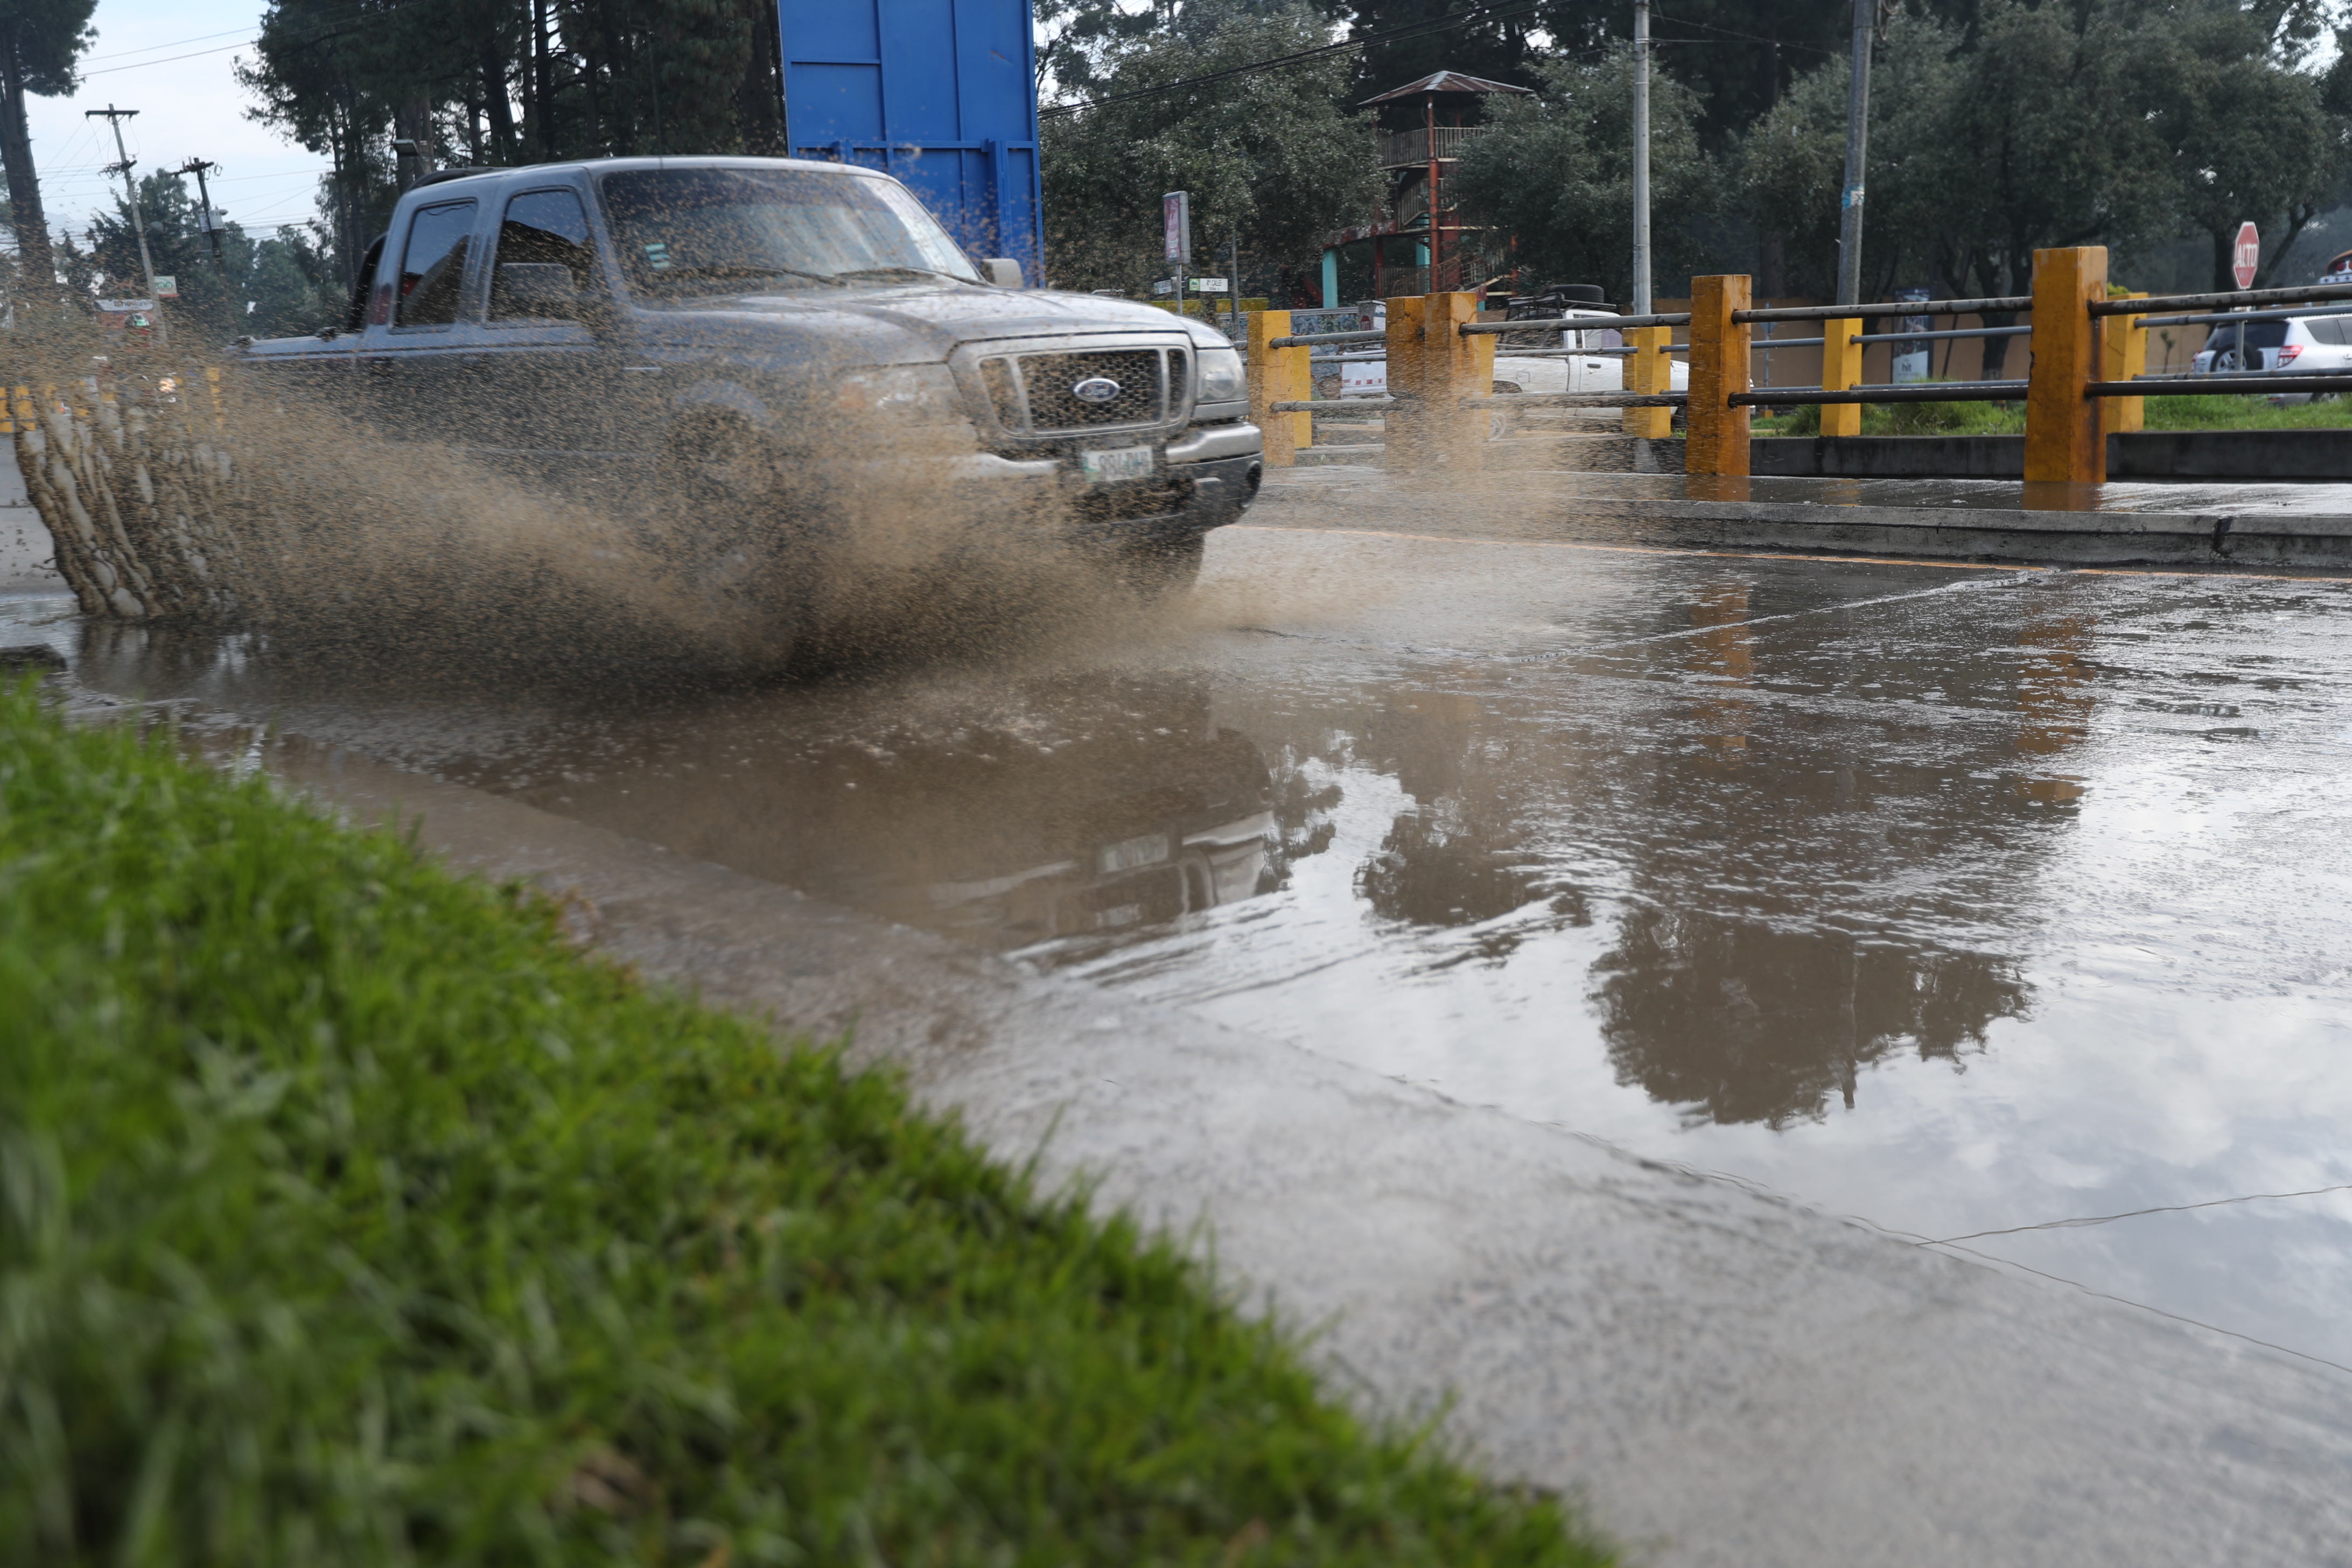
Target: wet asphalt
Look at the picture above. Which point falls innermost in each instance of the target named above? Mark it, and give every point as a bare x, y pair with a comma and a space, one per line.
2000, 908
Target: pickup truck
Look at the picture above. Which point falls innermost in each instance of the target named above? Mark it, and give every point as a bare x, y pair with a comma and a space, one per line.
699, 332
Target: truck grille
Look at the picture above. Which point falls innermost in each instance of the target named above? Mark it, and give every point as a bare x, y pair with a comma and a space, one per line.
1033, 393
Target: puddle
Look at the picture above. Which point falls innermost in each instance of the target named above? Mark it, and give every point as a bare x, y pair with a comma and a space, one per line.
1953, 900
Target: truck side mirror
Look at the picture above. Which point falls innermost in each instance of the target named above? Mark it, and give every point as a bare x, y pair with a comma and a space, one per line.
1003, 271
542, 290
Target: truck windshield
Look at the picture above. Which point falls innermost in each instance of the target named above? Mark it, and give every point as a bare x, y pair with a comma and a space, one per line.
702, 231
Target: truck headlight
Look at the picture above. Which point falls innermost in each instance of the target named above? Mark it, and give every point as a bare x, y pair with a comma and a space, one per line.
921, 394
1223, 377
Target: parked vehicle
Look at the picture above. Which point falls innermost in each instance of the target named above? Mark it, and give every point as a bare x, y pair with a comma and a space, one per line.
1583, 366
711, 325
2300, 344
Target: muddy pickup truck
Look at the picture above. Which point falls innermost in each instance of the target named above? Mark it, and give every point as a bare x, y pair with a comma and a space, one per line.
743, 337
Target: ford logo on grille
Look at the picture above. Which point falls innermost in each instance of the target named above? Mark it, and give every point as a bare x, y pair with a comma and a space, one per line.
1095, 389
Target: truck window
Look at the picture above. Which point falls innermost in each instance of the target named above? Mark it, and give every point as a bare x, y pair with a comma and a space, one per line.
682, 232
546, 227
434, 264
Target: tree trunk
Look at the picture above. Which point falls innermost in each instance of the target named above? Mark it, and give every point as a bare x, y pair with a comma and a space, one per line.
616, 73
39, 267
542, 86
413, 122
760, 111
495, 104
2225, 248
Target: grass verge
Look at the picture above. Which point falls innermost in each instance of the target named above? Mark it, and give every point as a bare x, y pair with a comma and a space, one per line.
349, 1217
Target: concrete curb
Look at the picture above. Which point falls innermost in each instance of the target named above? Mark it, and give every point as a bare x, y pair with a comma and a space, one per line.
1732, 1379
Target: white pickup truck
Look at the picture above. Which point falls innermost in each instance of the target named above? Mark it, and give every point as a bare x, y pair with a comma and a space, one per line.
1583, 359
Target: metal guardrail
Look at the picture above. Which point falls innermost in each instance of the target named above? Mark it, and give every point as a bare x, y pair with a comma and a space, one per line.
1955, 332
2226, 318
2251, 299
1907, 392
1307, 340
1883, 309
1581, 400
1574, 323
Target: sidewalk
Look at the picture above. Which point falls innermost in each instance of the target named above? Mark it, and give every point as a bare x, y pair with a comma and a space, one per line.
1732, 1379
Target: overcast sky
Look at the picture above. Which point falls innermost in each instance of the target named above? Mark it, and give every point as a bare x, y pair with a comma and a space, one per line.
154, 55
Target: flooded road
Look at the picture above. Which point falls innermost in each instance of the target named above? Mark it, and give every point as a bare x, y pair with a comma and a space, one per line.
1983, 905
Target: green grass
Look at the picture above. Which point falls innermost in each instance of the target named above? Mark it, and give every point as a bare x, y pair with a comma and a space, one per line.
2223, 412
349, 1217
2208, 412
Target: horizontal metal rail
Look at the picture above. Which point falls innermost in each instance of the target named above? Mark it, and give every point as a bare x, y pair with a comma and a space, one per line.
1909, 392
1574, 323
1583, 399
1360, 356
1788, 342
1909, 308
2250, 298
2254, 383
2254, 378
1960, 333
2225, 317
1333, 405
1305, 340
1576, 353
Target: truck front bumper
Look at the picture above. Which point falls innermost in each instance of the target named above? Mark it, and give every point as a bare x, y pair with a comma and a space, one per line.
1209, 476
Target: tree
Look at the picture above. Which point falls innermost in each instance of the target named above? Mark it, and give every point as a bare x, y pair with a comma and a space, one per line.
1555, 171
41, 41
1270, 157
1790, 164
2249, 136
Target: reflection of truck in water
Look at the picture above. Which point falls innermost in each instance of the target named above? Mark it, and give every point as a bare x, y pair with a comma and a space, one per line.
1076, 806
703, 325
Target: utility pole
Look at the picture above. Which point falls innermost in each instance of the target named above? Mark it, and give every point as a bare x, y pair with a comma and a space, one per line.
1641, 158
198, 167
1857, 149
115, 117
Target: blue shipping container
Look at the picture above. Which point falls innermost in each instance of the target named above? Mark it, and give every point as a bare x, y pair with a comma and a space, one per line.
941, 93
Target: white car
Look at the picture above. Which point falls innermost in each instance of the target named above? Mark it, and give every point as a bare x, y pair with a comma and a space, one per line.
2300, 344
1573, 371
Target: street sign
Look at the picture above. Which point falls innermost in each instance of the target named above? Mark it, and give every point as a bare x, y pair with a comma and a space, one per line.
1208, 286
1176, 215
123, 307
167, 286
2249, 256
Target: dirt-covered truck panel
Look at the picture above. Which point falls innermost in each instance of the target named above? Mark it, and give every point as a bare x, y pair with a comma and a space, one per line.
684, 317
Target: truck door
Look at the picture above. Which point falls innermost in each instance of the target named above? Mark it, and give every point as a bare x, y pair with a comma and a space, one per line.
415, 335
541, 388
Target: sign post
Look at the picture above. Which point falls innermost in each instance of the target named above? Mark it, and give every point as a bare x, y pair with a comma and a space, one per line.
2248, 255
1176, 218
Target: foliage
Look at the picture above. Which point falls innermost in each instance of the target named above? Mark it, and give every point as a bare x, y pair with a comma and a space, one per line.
1268, 157
1908, 419
41, 46
348, 1215
2222, 411
1555, 171
591, 77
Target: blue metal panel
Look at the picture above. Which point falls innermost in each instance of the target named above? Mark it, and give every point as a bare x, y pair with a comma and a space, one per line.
941, 93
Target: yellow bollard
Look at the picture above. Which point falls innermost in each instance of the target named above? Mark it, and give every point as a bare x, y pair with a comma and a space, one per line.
1431, 368
1278, 375
2124, 354
2065, 439
1718, 372
1841, 368
1649, 369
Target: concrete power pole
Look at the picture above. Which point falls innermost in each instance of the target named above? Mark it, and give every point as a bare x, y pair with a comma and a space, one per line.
1641, 158
115, 117
1857, 151
209, 223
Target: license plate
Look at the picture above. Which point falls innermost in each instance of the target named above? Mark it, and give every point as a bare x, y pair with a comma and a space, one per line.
1118, 463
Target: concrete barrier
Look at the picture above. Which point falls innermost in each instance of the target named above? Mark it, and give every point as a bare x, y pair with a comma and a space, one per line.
2247, 456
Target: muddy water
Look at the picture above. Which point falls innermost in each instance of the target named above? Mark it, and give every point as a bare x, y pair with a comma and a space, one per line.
1958, 900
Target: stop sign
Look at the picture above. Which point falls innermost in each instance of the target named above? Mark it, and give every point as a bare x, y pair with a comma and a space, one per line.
2249, 254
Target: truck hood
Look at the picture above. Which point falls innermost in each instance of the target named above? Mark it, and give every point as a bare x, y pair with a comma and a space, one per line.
899, 324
